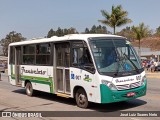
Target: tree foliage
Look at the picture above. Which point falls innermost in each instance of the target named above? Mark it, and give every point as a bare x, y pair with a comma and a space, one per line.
157, 31
61, 32
97, 30
10, 38
127, 32
140, 32
117, 18
51, 33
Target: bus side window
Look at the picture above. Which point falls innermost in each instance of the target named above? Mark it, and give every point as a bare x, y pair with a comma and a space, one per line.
43, 56
12, 55
77, 55
87, 57
29, 54
82, 58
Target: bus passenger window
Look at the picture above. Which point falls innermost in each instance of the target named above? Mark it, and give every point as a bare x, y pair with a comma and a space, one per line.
43, 54
77, 56
87, 57
82, 58
29, 54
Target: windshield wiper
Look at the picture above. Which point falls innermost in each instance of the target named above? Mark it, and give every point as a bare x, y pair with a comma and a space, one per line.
117, 69
118, 60
137, 70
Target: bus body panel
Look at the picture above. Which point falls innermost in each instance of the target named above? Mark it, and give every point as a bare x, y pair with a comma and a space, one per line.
43, 77
100, 92
84, 79
11, 74
109, 96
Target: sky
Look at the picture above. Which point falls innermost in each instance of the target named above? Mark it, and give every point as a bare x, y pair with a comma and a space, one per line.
34, 18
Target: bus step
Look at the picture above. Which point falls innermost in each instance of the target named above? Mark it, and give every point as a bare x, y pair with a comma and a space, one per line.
63, 95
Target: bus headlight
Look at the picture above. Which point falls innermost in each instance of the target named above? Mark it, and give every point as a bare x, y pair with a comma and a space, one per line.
109, 84
143, 80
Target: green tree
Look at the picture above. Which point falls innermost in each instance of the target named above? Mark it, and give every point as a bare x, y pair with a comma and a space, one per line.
97, 29
72, 31
93, 29
127, 32
59, 32
105, 31
158, 31
65, 31
117, 18
10, 38
51, 33
140, 32
87, 31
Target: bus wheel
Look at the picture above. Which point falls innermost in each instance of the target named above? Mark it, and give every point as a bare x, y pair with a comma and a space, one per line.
81, 98
29, 89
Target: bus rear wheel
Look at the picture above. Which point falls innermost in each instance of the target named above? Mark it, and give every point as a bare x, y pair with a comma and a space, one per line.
81, 98
29, 89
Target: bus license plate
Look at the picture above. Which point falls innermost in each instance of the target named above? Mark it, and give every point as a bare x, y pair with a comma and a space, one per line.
130, 94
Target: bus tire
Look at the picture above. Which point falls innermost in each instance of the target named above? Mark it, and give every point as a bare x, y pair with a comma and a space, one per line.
29, 89
81, 98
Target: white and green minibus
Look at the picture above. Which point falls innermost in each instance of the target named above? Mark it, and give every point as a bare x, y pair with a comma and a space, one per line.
97, 68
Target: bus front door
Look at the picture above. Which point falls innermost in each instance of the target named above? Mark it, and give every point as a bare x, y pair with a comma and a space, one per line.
62, 61
17, 65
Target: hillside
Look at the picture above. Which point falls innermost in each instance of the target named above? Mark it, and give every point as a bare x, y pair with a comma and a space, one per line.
149, 42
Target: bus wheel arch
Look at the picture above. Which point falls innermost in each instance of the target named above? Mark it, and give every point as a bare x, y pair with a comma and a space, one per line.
29, 88
80, 96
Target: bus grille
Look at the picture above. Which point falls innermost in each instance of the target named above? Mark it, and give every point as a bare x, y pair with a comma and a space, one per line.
128, 86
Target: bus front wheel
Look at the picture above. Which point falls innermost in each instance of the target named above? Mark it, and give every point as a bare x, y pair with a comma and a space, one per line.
29, 89
81, 98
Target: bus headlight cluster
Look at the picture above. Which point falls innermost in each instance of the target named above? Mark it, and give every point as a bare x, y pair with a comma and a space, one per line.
109, 84
143, 80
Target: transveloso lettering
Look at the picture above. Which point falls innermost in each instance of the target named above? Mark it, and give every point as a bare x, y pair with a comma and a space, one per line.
125, 80
31, 71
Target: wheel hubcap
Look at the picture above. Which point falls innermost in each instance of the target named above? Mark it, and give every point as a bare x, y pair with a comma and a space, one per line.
82, 99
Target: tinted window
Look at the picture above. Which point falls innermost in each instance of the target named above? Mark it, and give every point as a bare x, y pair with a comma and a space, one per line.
43, 54
29, 49
81, 56
37, 54
12, 55
28, 59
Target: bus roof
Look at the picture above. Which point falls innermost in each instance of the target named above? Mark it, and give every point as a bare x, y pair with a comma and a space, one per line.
63, 38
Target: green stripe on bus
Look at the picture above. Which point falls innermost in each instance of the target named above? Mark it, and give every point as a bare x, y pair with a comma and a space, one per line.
33, 77
41, 80
23, 77
51, 85
37, 81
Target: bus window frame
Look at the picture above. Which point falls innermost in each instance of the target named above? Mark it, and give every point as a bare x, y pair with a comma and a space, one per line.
85, 45
12, 57
112, 74
35, 54
50, 63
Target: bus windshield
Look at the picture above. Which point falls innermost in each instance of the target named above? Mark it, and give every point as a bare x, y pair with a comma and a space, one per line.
114, 55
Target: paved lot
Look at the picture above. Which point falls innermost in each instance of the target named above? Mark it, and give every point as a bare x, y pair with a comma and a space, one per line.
14, 99
154, 75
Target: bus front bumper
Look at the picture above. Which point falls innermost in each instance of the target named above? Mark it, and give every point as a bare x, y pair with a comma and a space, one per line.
109, 96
